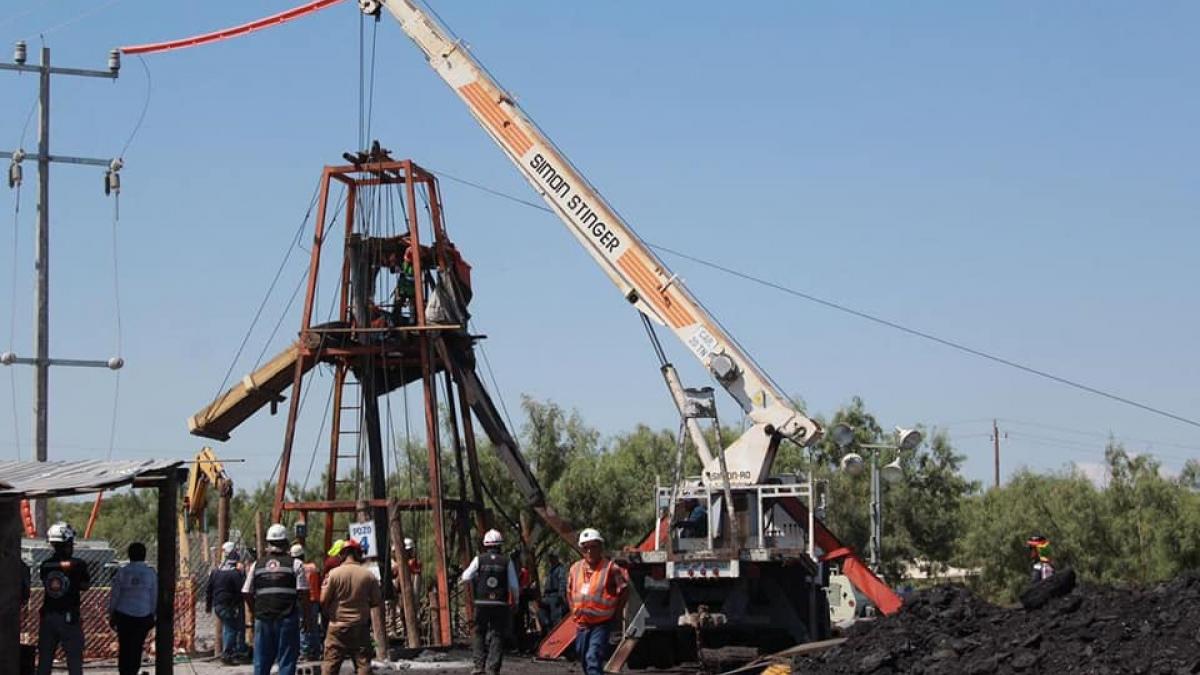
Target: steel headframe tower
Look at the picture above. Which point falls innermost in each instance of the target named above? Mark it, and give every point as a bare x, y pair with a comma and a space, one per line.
41, 332
374, 350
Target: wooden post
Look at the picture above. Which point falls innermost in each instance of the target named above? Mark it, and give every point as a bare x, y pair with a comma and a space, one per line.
412, 630
378, 625
10, 586
260, 536
164, 630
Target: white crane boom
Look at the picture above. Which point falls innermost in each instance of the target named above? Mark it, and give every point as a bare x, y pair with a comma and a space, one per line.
641, 277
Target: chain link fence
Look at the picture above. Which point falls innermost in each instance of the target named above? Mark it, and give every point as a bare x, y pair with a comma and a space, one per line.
193, 629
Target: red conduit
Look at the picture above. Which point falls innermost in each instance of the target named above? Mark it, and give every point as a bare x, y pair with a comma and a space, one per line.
27, 519
236, 31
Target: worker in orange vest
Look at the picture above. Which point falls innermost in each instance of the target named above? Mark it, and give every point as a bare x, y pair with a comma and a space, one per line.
596, 590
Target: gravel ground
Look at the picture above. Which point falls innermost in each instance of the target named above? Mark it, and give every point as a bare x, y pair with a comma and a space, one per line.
455, 662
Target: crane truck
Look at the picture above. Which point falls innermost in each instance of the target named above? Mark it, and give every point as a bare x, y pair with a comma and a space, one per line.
752, 572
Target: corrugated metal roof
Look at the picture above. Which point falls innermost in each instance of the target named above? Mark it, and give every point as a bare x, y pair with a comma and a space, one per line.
50, 479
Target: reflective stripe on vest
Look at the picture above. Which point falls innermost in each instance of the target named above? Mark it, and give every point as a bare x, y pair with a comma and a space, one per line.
596, 605
274, 586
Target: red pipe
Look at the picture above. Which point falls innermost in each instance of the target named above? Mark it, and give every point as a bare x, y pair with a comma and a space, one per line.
227, 33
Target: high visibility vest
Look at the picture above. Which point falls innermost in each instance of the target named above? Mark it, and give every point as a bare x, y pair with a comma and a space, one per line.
274, 586
491, 580
591, 601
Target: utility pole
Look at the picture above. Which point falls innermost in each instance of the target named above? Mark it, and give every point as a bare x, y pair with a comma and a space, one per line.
996, 451
876, 514
41, 331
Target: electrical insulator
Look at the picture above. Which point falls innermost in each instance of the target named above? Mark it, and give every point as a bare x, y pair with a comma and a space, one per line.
19, 54
114, 60
14, 175
112, 177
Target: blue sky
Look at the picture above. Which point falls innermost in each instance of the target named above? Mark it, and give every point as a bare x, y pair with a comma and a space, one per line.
1019, 178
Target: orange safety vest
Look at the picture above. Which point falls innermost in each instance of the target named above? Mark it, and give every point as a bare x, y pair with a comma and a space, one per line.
592, 603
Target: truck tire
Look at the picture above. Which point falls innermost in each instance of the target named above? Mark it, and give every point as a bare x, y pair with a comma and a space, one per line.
1038, 594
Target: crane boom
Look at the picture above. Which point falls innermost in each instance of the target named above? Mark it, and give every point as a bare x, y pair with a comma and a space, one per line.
643, 279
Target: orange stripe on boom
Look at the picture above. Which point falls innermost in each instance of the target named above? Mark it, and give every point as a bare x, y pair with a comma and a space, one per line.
495, 116
648, 285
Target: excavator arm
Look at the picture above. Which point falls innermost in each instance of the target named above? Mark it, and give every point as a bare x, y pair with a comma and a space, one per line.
643, 279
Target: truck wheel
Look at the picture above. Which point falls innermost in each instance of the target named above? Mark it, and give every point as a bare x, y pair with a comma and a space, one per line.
1038, 594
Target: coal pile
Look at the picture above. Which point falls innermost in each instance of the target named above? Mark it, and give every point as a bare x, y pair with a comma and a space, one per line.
1095, 630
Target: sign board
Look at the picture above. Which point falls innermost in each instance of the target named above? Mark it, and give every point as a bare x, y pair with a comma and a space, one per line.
364, 534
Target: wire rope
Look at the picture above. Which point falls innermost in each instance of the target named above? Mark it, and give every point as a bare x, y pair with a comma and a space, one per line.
145, 107
116, 286
12, 324
82, 15
837, 306
270, 289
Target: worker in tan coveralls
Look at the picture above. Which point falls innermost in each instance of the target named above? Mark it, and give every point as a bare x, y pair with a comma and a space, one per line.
347, 596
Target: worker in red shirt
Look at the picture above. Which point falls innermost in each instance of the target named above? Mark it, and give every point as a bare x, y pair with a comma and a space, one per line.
597, 589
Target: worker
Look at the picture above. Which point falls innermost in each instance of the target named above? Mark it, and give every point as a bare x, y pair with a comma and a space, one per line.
695, 524
493, 580
1039, 553
333, 557
404, 297
597, 589
554, 593
64, 577
273, 586
414, 565
525, 629
347, 596
224, 596
131, 608
310, 633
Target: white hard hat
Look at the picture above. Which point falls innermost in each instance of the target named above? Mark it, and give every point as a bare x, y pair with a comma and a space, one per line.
60, 532
409, 544
590, 534
493, 538
297, 551
277, 532
227, 547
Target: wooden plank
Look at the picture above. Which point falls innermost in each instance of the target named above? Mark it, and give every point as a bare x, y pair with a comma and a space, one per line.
799, 650
256, 390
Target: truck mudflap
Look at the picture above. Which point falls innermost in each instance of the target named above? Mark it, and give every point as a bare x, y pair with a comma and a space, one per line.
853, 567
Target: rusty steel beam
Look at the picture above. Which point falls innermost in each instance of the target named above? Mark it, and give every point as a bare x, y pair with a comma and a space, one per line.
347, 506
431, 424
289, 434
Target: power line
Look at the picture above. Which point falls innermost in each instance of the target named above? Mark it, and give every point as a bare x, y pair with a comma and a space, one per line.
830, 304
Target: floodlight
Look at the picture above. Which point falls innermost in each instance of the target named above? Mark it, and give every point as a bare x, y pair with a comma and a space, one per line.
892, 472
909, 438
852, 463
843, 435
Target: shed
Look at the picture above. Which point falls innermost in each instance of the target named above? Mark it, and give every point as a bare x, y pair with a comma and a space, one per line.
28, 480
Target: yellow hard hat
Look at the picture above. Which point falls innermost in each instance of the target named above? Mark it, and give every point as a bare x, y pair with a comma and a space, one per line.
337, 547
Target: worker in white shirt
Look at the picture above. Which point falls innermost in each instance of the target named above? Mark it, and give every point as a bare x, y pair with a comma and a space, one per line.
131, 608
494, 587
273, 586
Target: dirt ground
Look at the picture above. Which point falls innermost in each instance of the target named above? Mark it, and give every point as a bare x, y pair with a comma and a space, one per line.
456, 662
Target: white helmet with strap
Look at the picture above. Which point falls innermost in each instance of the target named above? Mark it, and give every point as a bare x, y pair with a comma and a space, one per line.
60, 533
277, 532
409, 544
590, 534
493, 538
